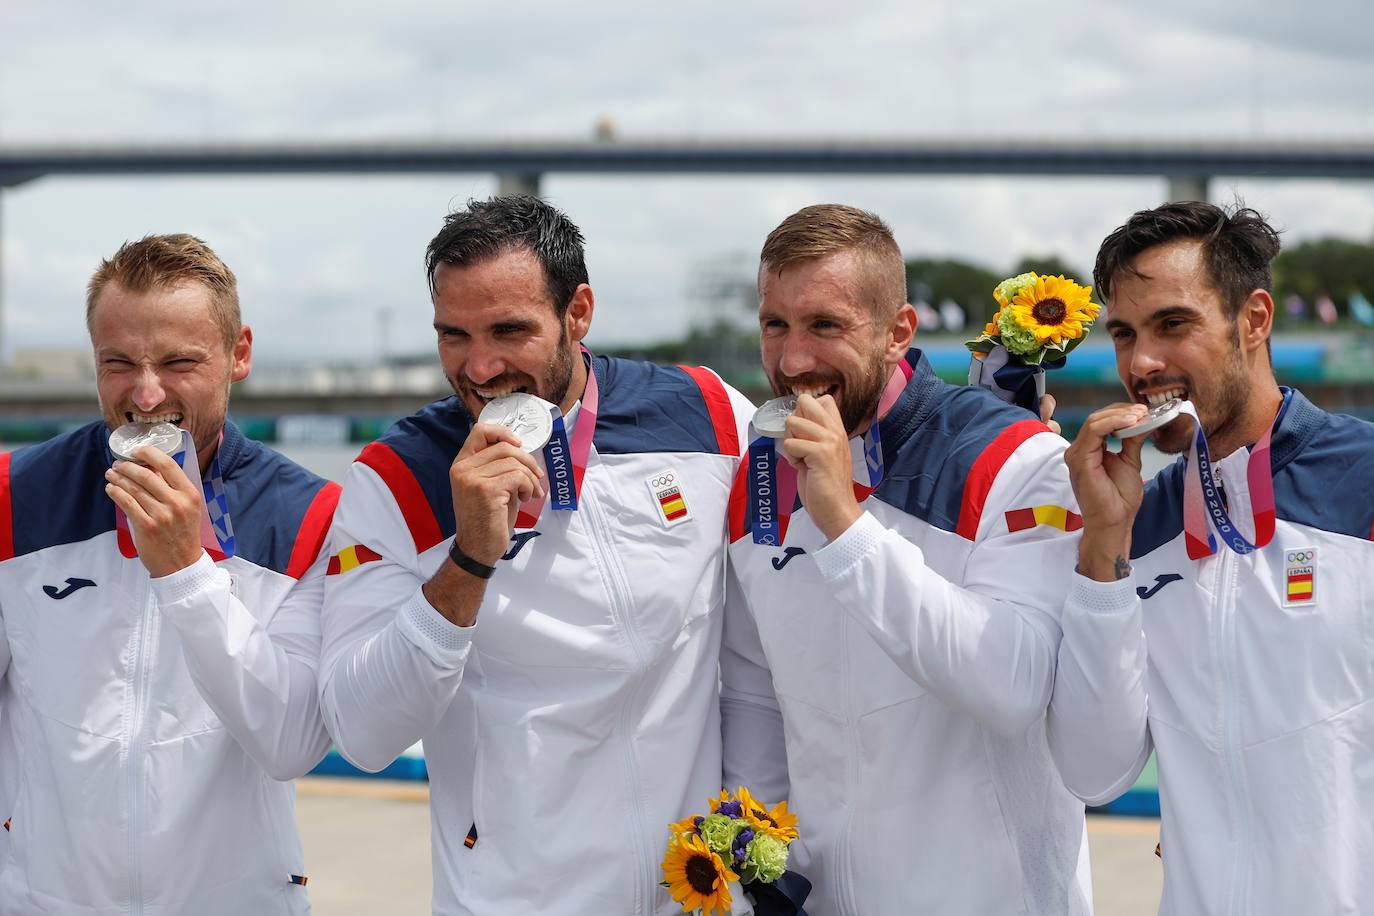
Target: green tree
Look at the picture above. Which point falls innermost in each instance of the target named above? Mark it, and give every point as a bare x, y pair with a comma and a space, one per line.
970, 285
1330, 266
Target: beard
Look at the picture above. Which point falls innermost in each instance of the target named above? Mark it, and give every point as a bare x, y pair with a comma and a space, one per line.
552, 384
1220, 401
858, 394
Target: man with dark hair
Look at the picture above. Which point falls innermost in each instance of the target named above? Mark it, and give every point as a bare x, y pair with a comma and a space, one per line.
159, 621
908, 609
1252, 558
529, 576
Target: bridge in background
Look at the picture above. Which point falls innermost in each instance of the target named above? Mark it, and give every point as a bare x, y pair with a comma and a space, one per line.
1187, 165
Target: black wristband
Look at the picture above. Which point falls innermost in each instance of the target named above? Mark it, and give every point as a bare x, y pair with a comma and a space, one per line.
468, 564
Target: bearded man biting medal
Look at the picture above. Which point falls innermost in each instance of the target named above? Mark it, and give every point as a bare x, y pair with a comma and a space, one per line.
908, 609
530, 576
1251, 585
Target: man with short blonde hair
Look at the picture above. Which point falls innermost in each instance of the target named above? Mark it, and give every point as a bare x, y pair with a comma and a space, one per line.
166, 261
907, 611
159, 623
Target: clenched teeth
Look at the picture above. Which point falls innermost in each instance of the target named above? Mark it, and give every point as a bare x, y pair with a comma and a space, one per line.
495, 393
173, 418
1160, 397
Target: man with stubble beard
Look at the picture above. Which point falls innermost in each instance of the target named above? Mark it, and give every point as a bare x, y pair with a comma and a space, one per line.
1251, 587
546, 615
908, 608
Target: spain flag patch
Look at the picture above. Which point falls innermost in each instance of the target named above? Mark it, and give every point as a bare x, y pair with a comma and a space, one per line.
1054, 516
666, 487
351, 557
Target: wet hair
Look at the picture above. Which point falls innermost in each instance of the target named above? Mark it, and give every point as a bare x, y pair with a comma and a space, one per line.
486, 229
165, 262
825, 229
1238, 248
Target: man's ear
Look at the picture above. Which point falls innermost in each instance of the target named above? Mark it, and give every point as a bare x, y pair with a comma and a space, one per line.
241, 355
578, 318
900, 333
1255, 321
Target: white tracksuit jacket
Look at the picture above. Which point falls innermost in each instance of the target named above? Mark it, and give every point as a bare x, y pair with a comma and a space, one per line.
579, 716
147, 723
1261, 708
913, 658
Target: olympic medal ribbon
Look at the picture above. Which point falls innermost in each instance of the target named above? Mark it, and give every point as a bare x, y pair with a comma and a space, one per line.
216, 524
772, 484
1203, 508
564, 461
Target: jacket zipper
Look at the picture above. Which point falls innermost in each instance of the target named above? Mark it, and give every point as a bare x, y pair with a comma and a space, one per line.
622, 605
1238, 794
1227, 588
139, 677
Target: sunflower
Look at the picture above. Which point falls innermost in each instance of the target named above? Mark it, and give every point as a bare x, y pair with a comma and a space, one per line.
776, 822
684, 826
1055, 309
696, 877
991, 330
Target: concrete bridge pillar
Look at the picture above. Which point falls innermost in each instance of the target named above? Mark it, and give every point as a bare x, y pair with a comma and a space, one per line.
518, 183
1188, 187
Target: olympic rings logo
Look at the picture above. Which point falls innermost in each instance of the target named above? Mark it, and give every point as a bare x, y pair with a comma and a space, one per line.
663, 481
1301, 556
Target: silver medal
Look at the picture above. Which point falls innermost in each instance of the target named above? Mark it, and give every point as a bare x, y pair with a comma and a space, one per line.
129, 438
523, 414
1157, 417
771, 419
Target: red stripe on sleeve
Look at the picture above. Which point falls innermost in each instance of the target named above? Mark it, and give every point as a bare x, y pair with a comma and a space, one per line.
738, 498
314, 528
410, 498
6, 514
718, 406
986, 469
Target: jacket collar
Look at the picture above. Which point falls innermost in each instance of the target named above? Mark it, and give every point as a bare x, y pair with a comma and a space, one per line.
916, 402
1298, 421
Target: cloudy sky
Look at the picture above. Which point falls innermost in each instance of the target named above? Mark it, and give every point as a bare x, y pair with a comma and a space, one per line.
329, 267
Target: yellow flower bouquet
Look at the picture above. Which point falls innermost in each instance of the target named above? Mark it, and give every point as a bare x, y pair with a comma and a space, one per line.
1038, 322
733, 860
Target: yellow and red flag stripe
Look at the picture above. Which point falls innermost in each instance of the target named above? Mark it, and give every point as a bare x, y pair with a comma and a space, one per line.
1300, 587
351, 557
1054, 516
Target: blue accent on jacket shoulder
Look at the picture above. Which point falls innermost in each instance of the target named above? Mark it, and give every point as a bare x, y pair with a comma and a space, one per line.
649, 408
58, 494
931, 439
428, 441
1323, 467
644, 408
1324, 470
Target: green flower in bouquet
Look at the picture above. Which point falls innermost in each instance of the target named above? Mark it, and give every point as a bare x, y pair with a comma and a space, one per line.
765, 859
719, 832
1015, 338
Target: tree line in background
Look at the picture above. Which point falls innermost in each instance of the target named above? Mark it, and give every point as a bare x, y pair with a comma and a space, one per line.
1323, 283
1318, 283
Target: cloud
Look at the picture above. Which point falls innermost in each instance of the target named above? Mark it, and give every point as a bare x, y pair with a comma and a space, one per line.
326, 263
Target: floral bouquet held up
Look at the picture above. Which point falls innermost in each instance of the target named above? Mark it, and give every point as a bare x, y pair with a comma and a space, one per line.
1039, 320
730, 861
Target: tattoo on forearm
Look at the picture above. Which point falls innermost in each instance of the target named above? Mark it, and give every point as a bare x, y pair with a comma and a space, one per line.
1123, 567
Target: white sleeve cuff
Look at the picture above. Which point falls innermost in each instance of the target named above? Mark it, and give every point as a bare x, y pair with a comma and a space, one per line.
857, 541
1102, 597
186, 582
443, 641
